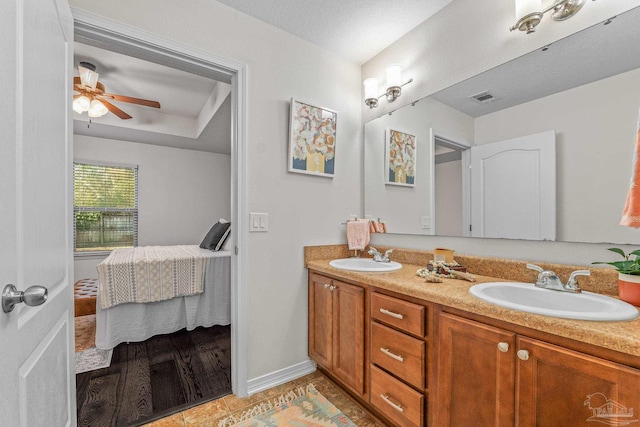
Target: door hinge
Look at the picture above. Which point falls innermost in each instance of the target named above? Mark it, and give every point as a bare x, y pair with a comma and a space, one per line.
236, 250
470, 227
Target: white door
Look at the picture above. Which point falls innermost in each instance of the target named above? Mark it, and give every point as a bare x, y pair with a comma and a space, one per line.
37, 379
513, 188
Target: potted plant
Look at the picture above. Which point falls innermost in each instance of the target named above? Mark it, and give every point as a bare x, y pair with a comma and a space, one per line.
628, 275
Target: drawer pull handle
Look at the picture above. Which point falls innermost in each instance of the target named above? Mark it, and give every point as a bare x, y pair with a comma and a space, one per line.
392, 355
395, 406
391, 313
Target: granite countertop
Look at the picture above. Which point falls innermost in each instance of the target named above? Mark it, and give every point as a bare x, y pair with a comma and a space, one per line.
623, 336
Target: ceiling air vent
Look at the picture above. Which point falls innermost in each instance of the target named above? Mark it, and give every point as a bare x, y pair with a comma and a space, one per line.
483, 97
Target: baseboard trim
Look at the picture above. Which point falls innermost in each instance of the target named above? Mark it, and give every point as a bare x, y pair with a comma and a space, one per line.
281, 376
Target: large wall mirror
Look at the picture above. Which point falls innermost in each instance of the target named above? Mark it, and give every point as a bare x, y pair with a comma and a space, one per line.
582, 92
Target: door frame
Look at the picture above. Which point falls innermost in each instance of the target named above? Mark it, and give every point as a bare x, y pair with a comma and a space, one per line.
464, 147
136, 42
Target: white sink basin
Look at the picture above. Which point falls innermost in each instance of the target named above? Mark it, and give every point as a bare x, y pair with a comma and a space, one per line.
529, 298
364, 264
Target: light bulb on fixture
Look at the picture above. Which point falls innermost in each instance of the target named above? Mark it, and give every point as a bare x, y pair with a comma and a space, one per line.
97, 109
371, 92
529, 13
81, 103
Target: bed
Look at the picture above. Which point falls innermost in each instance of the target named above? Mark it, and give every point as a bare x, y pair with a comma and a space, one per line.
133, 322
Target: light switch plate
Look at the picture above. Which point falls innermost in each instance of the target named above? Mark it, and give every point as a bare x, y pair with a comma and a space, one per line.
258, 222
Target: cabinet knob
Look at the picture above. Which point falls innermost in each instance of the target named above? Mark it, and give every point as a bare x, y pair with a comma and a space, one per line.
332, 287
326, 285
523, 354
503, 347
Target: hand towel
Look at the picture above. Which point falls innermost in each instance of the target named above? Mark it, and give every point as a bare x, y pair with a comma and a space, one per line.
376, 226
631, 212
358, 234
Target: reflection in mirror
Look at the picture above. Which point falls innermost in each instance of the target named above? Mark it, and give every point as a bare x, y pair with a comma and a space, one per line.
585, 88
408, 210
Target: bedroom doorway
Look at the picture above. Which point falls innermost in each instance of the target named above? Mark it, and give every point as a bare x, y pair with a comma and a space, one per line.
94, 30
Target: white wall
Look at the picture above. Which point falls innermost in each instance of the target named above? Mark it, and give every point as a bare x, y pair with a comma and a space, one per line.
303, 210
463, 39
181, 193
595, 127
448, 180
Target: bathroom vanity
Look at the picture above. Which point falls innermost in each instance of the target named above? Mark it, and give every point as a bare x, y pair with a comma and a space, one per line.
430, 354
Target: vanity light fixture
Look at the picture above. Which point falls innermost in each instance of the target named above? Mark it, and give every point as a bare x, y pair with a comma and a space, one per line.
371, 92
394, 87
529, 13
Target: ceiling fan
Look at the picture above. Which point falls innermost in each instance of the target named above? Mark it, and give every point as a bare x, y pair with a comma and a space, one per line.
93, 98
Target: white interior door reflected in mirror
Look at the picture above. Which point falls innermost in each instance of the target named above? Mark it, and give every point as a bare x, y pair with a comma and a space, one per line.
513, 188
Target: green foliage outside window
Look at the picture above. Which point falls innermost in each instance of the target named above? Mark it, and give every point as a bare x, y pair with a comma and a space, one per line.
105, 207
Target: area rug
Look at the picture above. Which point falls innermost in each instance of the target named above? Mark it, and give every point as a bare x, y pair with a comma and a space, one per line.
92, 359
302, 407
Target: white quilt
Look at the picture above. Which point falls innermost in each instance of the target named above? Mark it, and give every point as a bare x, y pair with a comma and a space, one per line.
132, 322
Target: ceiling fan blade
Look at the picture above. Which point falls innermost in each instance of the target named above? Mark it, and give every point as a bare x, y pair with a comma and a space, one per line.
132, 100
115, 110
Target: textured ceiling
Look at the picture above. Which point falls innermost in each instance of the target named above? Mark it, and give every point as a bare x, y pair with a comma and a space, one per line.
356, 29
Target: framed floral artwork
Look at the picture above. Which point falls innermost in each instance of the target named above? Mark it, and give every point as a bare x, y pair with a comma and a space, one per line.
400, 158
312, 139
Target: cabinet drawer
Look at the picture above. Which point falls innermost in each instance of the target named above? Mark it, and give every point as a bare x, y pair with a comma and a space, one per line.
398, 353
396, 400
396, 312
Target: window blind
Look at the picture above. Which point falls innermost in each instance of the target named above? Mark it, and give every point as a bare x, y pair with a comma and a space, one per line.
105, 206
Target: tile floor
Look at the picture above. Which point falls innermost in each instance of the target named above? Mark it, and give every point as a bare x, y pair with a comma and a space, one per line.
208, 414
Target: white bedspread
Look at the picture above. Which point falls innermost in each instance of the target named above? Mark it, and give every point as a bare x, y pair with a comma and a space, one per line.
133, 322
150, 273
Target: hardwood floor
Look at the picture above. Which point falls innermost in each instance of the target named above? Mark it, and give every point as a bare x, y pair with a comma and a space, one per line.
157, 377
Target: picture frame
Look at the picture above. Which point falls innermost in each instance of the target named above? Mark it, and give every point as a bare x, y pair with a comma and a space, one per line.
400, 158
312, 139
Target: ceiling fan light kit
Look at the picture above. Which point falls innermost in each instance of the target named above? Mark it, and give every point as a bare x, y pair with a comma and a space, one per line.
92, 94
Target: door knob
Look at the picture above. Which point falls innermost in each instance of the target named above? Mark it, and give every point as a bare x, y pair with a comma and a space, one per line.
34, 295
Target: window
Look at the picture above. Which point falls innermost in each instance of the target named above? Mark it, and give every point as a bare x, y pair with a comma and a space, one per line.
105, 208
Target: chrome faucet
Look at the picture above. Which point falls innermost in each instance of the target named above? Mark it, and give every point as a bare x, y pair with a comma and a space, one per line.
547, 279
377, 256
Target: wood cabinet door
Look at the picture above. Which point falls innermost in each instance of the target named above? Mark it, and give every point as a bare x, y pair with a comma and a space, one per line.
320, 320
560, 387
348, 335
476, 373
